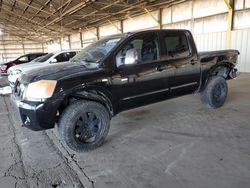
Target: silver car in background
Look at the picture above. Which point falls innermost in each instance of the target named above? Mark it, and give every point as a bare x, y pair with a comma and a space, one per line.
47, 60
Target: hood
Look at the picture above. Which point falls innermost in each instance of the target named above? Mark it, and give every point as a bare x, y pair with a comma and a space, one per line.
9, 63
24, 67
54, 72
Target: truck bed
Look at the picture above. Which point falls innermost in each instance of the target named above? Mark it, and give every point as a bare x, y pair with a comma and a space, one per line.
221, 54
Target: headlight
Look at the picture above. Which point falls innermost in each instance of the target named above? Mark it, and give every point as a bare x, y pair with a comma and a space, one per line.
40, 90
14, 72
3, 67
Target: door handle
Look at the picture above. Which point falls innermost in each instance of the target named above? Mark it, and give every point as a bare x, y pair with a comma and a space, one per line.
159, 68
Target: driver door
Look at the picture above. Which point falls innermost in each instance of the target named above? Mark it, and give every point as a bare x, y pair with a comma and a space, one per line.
142, 81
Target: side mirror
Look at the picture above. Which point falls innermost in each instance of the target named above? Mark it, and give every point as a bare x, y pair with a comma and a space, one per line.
131, 57
54, 60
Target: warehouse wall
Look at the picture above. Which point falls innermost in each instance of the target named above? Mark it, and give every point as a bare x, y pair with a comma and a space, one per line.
206, 19
13, 47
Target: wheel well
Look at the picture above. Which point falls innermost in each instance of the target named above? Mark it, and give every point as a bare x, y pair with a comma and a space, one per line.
79, 96
221, 70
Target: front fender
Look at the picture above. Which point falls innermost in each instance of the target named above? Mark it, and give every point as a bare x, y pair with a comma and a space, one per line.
100, 95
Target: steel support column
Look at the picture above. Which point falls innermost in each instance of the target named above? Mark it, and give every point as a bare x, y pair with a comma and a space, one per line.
60, 42
69, 41
160, 18
97, 33
81, 40
230, 6
122, 28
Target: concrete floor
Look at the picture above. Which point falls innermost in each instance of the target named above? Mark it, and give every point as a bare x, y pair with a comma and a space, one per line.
178, 143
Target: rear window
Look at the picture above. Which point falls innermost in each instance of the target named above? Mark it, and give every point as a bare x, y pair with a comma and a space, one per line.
177, 45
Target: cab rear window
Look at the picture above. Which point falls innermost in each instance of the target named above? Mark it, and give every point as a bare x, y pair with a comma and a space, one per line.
176, 45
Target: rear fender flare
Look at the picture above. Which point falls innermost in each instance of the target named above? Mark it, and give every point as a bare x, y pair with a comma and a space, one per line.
214, 70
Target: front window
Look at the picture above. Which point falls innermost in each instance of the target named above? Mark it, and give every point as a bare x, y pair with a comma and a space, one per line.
96, 51
45, 58
146, 47
36, 59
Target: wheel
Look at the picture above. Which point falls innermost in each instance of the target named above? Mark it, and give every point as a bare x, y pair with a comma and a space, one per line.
215, 93
84, 125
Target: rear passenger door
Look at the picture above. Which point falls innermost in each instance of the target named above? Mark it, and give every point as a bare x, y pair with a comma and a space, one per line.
181, 57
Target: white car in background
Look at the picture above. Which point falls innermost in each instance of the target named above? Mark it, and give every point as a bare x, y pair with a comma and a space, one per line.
47, 60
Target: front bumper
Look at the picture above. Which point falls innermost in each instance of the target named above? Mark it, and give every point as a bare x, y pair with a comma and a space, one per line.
38, 115
12, 79
3, 72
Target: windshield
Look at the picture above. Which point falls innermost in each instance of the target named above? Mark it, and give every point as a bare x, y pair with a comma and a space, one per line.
36, 59
45, 58
96, 51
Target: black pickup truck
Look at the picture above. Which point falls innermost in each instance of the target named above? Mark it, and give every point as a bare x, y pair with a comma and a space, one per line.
118, 73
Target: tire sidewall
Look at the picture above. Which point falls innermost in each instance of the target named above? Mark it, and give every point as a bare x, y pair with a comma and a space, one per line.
208, 94
67, 121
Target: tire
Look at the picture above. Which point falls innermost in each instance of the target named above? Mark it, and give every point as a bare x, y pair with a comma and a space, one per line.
84, 125
215, 93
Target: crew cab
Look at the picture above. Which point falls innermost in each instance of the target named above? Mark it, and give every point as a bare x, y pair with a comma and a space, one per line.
118, 73
21, 60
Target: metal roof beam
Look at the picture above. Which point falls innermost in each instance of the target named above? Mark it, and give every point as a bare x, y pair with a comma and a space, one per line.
68, 12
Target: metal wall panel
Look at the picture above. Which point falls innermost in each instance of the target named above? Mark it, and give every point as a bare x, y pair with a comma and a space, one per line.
239, 4
75, 41
110, 29
241, 42
140, 22
217, 41
182, 11
210, 41
242, 19
13, 47
247, 3
53, 47
89, 36
166, 16
204, 8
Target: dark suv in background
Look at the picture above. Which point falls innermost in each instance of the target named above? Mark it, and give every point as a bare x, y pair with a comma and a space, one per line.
22, 59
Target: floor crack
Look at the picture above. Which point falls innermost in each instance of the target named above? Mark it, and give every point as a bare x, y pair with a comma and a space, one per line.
69, 158
19, 152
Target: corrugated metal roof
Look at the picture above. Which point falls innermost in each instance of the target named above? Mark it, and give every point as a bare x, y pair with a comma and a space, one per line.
46, 19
